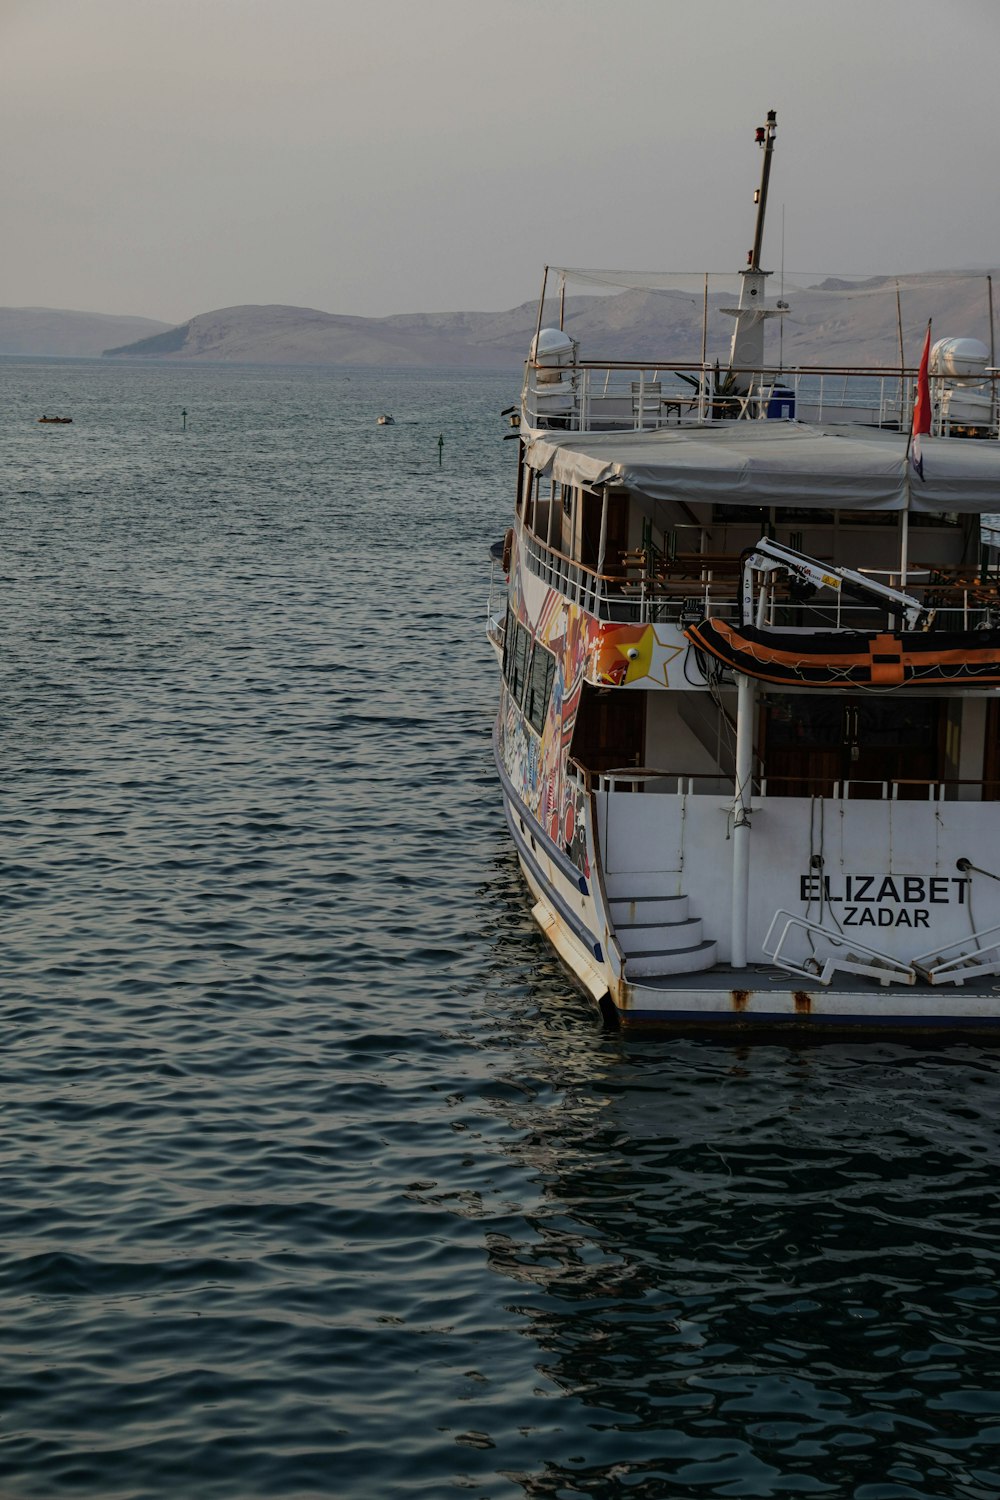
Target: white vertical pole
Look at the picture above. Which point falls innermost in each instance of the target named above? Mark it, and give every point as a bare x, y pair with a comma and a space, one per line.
904, 542
741, 818
602, 548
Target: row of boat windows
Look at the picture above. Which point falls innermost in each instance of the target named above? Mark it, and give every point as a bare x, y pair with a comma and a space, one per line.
723, 515
529, 669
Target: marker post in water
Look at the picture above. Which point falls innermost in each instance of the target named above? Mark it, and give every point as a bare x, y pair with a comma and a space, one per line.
184, 419
440, 448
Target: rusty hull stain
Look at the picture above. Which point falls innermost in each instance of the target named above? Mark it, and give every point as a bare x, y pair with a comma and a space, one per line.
801, 999
621, 992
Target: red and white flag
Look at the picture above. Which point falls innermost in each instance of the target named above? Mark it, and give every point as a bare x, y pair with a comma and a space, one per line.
922, 406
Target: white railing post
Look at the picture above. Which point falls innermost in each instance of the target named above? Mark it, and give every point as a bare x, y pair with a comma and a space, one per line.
741, 820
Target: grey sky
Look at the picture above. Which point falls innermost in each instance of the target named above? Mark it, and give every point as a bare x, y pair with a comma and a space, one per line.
167, 157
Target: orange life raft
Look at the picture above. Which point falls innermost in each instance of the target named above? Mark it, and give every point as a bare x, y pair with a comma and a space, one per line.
853, 658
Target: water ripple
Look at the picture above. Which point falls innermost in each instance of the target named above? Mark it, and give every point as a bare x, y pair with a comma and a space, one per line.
318, 1178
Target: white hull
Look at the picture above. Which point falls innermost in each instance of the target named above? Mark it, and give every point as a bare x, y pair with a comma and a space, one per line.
759, 997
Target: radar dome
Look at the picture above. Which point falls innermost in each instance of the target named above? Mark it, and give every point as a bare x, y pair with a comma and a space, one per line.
551, 346
960, 359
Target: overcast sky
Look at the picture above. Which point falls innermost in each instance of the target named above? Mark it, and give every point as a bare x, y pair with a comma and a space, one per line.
169, 157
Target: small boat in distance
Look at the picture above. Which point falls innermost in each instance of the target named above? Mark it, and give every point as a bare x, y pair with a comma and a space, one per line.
748, 641
386, 421
56, 421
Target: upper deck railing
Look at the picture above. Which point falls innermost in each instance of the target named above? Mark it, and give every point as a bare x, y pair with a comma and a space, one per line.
616, 396
655, 589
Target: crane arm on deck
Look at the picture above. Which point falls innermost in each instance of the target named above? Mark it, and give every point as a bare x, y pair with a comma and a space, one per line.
768, 556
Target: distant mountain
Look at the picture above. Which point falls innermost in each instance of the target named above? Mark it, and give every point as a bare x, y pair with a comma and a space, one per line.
833, 322
302, 335
59, 333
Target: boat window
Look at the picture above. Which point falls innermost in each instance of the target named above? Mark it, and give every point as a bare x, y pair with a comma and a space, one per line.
758, 515
543, 671
945, 520
510, 626
516, 662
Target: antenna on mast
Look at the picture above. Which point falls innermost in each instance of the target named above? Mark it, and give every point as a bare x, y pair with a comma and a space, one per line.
765, 139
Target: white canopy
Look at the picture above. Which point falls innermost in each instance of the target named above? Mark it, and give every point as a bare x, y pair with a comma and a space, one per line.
778, 463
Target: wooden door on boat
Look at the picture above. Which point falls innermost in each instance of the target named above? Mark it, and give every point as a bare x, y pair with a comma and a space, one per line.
616, 540
610, 729
810, 744
991, 754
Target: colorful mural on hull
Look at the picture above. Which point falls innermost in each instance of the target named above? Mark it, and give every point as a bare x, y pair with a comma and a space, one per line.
536, 764
586, 650
621, 655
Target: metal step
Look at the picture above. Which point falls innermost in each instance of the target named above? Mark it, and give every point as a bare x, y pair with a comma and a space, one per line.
663, 963
641, 910
662, 937
633, 885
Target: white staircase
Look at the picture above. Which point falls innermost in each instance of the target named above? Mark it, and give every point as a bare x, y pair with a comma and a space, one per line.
655, 932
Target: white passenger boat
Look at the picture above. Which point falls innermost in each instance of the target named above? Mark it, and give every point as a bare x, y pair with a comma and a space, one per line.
749, 730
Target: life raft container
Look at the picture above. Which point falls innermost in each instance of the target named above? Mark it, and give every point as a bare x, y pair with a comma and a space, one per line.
852, 658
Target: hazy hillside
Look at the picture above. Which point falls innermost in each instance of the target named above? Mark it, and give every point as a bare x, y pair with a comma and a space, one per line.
833, 322
57, 332
306, 336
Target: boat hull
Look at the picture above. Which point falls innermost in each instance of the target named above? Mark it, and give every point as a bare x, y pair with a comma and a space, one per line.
760, 999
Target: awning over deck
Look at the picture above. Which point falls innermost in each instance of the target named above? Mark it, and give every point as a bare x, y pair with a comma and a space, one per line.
778, 463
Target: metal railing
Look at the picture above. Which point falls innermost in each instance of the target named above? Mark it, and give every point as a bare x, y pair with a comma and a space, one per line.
841, 789
651, 597
496, 607
635, 778
613, 596
615, 395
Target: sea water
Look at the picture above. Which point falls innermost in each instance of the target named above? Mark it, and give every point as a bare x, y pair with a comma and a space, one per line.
319, 1179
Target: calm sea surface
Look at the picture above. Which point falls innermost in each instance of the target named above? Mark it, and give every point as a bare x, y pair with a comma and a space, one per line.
318, 1179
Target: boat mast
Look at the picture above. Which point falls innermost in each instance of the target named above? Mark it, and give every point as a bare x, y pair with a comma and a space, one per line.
765, 139
746, 355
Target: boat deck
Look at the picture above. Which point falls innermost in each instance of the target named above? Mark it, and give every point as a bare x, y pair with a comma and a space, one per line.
762, 1000
766, 979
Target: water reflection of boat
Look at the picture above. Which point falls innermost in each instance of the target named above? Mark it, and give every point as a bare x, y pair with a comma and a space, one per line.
749, 738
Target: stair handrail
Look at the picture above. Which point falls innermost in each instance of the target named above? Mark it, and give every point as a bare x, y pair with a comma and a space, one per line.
950, 970
884, 968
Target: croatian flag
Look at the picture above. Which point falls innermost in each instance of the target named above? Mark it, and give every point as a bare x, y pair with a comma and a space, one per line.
922, 406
